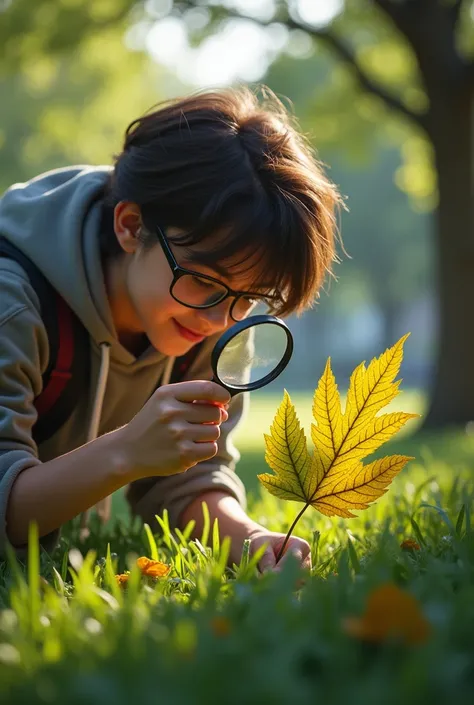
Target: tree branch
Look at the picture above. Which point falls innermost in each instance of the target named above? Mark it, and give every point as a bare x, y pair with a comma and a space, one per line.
346, 54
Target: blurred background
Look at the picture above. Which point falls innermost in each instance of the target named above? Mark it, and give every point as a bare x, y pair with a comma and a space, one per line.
383, 89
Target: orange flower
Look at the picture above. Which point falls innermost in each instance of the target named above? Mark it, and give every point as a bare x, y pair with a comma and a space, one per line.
220, 626
153, 569
410, 545
122, 579
390, 613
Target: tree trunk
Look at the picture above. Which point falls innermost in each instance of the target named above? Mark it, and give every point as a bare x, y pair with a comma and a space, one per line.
452, 397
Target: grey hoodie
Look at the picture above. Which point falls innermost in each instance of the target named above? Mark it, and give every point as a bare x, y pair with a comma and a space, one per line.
55, 219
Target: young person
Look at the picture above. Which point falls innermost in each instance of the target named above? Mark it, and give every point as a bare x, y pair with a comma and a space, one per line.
215, 205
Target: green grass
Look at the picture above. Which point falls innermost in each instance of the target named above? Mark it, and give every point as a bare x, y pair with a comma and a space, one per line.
210, 634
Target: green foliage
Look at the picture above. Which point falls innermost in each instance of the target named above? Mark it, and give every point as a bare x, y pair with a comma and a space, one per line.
33, 29
73, 109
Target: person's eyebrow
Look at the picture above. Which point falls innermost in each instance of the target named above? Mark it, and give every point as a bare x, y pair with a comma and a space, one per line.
218, 270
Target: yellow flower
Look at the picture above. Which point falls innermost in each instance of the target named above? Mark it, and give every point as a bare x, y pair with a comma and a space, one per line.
148, 568
153, 569
122, 579
410, 545
390, 613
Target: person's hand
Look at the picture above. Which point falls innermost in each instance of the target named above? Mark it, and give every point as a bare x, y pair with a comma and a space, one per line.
171, 433
299, 548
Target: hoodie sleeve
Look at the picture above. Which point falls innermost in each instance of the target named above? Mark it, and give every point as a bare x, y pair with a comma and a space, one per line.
23, 356
151, 496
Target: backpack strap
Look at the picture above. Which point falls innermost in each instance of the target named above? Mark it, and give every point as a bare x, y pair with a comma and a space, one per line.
69, 354
70, 371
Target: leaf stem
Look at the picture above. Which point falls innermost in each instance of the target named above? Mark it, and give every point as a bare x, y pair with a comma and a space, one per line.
290, 531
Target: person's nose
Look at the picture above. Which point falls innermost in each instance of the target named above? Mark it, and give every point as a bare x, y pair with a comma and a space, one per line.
217, 317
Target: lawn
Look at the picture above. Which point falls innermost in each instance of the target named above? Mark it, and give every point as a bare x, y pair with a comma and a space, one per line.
374, 623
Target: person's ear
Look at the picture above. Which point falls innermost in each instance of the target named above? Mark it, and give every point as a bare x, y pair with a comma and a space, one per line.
127, 223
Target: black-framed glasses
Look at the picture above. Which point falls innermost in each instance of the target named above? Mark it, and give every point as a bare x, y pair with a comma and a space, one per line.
200, 291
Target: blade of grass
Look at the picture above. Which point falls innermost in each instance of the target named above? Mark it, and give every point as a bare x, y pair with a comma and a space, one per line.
222, 557
315, 547
188, 530
206, 524
165, 526
353, 556
216, 542
439, 510
173, 544
460, 520
249, 563
467, 505
417, 532
245, 557
151, 542
58, 582
33, 575
64, 566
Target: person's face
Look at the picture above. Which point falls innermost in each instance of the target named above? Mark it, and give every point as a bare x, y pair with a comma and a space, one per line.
171, 327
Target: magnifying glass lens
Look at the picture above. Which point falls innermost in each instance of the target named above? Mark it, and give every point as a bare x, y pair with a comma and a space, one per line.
252, 355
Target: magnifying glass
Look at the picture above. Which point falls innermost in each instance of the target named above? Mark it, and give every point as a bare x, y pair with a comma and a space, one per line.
251, 354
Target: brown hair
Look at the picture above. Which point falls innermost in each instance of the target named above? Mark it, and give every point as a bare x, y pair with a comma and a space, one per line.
224, 162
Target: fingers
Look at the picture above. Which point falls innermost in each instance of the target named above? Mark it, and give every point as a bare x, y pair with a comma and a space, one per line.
193, 453
199, 390
295, 548
202, 433
204, 413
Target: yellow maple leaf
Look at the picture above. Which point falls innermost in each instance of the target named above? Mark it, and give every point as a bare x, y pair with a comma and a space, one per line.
334, 479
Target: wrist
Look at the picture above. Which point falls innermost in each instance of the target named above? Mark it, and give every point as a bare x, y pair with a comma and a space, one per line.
116, 456
255, 529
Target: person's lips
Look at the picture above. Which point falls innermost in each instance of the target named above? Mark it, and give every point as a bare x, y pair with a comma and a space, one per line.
187, 333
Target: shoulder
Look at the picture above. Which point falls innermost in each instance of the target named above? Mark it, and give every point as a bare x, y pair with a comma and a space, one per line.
16, 290
22, 330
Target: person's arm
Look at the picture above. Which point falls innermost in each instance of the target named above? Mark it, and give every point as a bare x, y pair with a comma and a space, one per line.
52, 493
